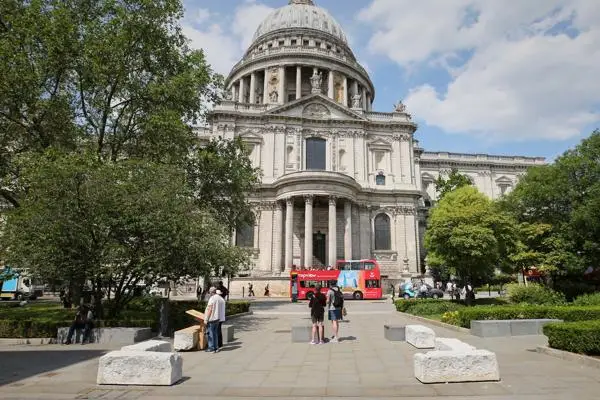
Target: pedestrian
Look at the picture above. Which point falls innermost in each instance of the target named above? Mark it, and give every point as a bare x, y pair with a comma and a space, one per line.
84, 319
335, 304
393, 291
212, 317
221, 320
223, 289
250, 290
267, 294
449, 288
294, 291
317, 313
423, 290
469, 294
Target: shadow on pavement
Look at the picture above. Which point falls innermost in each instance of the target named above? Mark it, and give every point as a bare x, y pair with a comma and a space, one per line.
18, 365
346, 338
246, 324
265, 305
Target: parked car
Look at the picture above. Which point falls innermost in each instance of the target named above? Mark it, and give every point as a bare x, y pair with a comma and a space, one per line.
409, 291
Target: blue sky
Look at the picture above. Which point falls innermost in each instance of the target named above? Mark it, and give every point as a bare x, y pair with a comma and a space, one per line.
478, 76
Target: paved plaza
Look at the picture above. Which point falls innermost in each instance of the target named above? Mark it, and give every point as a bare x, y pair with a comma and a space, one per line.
263, 362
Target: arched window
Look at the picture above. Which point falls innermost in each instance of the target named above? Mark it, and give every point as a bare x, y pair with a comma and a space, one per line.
316, 150
383, 240
244, 236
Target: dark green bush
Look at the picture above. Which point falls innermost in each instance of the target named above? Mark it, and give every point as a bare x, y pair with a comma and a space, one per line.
565, 313
577, 337
44, 319
534, 294
590, 299
426, 306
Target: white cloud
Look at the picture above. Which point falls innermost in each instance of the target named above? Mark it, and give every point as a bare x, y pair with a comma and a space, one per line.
515, 73
223, 38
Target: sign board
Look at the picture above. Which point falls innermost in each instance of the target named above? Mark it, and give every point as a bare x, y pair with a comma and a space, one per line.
196, 314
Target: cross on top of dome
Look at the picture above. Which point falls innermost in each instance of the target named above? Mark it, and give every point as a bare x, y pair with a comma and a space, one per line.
307, 2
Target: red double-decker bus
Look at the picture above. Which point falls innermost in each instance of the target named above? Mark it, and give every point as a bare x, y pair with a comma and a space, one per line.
358, 279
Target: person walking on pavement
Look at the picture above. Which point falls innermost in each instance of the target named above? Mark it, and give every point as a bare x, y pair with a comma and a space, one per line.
251, 290
335, 303
212, 317
317, 305
224, 291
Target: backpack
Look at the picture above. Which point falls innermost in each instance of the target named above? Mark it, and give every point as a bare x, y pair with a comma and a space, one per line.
338, 299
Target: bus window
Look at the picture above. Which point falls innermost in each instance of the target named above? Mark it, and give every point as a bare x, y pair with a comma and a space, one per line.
311, 284
372, 283
344, 266
369, 266
356, 266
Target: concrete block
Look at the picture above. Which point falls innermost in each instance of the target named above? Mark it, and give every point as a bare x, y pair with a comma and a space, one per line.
521, 327
144, 368
394, 333
492, 328
186, 339
451, 344
452, 366
160, 346
420, 336
227, 332
118, 336
301, 333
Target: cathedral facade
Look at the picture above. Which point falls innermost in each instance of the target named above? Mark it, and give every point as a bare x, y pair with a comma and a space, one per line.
339, 180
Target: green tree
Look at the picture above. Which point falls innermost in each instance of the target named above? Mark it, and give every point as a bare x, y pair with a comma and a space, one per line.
115, 75
455, 180
468, 234
113, 225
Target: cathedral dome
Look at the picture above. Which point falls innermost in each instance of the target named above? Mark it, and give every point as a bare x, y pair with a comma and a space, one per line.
301, 14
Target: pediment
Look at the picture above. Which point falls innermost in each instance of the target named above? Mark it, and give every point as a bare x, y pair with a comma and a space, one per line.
379, 143
317, 107
251, 136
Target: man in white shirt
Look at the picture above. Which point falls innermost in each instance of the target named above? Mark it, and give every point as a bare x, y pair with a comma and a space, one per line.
214, 313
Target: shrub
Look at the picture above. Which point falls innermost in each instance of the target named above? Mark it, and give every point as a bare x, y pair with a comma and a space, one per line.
590, 299
426, 306
534, 294
45, 328
577, 337
565, 313
451, 317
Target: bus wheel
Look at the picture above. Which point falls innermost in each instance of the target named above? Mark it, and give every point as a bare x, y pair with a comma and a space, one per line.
357, 296
435, 296
309, 295
406, 296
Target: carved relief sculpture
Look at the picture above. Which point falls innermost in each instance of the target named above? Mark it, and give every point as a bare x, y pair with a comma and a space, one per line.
274, 96
316, 110
273, 85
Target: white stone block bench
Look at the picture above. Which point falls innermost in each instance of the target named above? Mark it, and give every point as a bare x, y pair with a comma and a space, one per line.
456, 366
420, 336
144, 368
451, 344
160, 346
394, 333
119, 336
515, 327
186, 339
228, 333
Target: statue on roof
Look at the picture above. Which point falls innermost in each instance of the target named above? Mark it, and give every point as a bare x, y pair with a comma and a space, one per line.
316, 81
400, 107
307, 2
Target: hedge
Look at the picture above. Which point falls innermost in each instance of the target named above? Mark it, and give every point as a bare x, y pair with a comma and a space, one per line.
426, 306
565, 313
43, 320
577, 337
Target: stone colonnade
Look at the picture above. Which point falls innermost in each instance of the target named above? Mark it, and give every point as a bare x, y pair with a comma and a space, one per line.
246, 89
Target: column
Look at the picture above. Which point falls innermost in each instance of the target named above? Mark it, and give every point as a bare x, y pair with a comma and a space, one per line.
364, 99
330, 89
308, 231
266, 88
348, 230
289, 226
298, 82
354, 88
241, 93
368, 101
276, 266
233, 92
281, 85
345, 91
252, 88
332, 232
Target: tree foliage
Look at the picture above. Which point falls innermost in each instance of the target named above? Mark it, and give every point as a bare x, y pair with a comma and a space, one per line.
454, 181
468, 234
564, 199
115, 225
